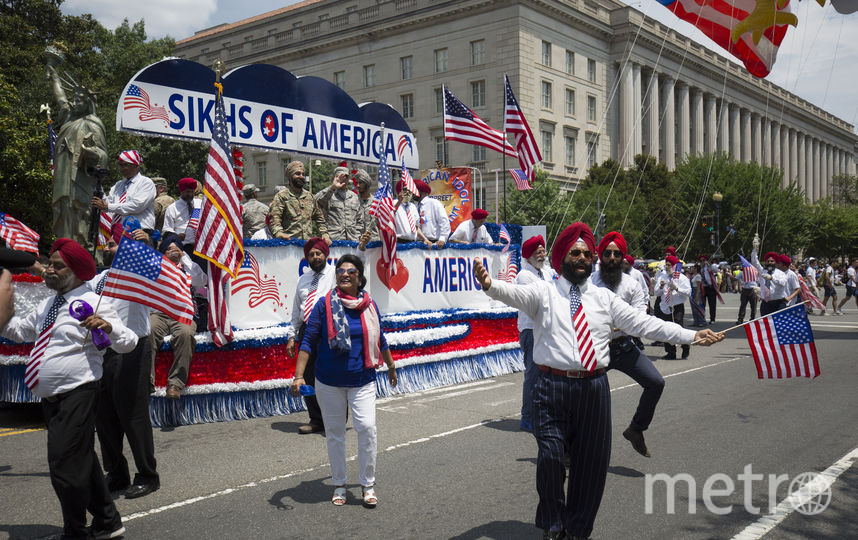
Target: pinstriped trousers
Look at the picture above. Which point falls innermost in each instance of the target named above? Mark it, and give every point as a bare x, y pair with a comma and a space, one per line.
573, 414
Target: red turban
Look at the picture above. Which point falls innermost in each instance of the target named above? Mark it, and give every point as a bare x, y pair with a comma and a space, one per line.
570, 235
702, 257
670, 250
785, 260
187, 183
773, 255
400, 186
629, 259
422, 186
671, 259
616, 238
531, 244
479, 213
75, 257
317, 243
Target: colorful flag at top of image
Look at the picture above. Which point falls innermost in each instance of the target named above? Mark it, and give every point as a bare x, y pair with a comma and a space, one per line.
514, 122
141, 274
504, 236
462, 125
520, 179
382, 208
782, 345
17, 235
219, 238
750, 274
409, 182
138, 98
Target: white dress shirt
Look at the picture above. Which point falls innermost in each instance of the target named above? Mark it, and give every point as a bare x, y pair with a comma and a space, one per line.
529, 274
678, 296
770, 289
403, 227
465, 233
327, 281
433, 219
67, 363
638, 276
792, 285
262, 234
554, 341
178, 215
133, 314
139, 202
628, 289
710, 275
198, 275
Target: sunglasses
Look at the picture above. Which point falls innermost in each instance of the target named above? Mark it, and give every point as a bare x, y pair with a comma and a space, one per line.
578, 253
616, 253
350, 271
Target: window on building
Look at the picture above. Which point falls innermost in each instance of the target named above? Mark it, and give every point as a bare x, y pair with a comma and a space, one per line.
591, 108
479, 197
261, 173
369, 76
547, 137
479, 154
440, 60
570, 102
592, 147
407, 105
477, 52
570, 151
546, 53
478, 94
441, 150
406, 65
570, 62
439, 101
591, 70
340, 79
546, 95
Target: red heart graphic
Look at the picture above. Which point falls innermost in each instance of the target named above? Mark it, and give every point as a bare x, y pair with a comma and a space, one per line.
398, 281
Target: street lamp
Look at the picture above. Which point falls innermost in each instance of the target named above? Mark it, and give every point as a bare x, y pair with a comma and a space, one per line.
717, 198
318, 163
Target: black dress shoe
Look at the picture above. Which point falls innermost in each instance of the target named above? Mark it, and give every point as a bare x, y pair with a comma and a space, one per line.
635, 436
141, 489
669, 357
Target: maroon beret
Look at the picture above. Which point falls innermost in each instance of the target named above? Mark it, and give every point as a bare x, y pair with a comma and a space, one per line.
318, 243
671, 259
75, 257
187, 183
422, 186
614, 237
479, 213
567, 238
531, 244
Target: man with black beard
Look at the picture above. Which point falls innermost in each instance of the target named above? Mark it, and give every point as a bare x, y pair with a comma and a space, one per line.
295, 213
313, 285
625, 355
773, 281
573, 323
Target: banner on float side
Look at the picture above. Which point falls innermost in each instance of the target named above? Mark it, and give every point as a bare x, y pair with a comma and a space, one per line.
267, 107
263, 292
453, 187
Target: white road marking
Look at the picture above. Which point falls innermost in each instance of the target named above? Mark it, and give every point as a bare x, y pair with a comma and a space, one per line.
797, 498
463, 392
457, 387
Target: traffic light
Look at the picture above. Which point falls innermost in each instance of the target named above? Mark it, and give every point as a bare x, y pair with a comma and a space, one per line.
707, 222
602, 222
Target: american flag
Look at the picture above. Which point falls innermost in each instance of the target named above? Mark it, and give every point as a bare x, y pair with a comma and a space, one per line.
521, 182
782, 345
750, 274
382, 208
503, 235
194, 222
677, 271
141, 274
525, 145
718, 19
52, 142
105, 229
409, 182
510, 271
461, 124
259, 289
808, 296
219, 238
17, 235
137, 98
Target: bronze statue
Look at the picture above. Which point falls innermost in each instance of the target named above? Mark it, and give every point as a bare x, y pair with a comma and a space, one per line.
81, 145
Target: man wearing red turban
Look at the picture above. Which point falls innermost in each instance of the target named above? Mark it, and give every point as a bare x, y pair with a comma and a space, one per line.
674, 288
407, 218
433, 217
573, 321
773, 281
183, 216
472, 231
64, 370
133, 196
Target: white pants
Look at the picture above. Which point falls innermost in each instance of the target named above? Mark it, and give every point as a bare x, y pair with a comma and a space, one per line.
333, 401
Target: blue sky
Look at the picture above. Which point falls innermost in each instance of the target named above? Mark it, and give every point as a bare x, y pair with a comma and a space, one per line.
818, 60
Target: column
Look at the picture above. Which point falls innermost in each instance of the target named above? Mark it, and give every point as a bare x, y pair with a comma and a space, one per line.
801, 164
784, 153
812, 185
818, 167
710, 113
767, 142
697, 124
668, 126
757, 137
793, 156
735, 132
654, 116
684, 121
627, 115
746, 136
637, 142
836, 160
724, 128
775, 146
829, 161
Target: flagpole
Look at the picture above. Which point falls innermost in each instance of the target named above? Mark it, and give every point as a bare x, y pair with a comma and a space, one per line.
503, 169
752, 320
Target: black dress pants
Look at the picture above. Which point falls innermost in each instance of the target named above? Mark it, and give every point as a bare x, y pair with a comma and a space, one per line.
747, 296
313, 409
677, 315
709, 297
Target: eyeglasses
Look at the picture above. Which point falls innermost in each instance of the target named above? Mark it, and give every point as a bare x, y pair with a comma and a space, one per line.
349, 271
578, 253
616, 253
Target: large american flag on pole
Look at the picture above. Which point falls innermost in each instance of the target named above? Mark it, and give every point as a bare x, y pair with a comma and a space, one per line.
782, 344
17, 235
525, 145
219, 238
462, 125
382, 208
141, 274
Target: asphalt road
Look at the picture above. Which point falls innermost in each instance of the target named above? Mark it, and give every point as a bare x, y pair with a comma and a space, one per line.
453, 464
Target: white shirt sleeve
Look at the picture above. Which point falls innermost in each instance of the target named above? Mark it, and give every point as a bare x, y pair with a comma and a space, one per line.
139, 197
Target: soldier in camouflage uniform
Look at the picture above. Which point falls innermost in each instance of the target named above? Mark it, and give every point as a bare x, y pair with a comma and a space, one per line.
341, 207
253, 212
294, 212
162, 201
365, 193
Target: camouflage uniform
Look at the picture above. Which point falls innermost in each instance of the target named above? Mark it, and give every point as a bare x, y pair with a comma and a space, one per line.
343, 215
369, 222
253, 216
295, 215
162, 202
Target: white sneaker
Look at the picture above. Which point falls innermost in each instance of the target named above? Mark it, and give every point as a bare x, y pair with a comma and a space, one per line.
838, 312
824, 313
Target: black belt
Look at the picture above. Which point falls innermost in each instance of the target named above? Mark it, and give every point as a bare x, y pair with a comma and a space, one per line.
583, 374
618, 340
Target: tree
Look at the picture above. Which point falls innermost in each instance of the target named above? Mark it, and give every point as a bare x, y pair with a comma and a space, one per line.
545, 205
